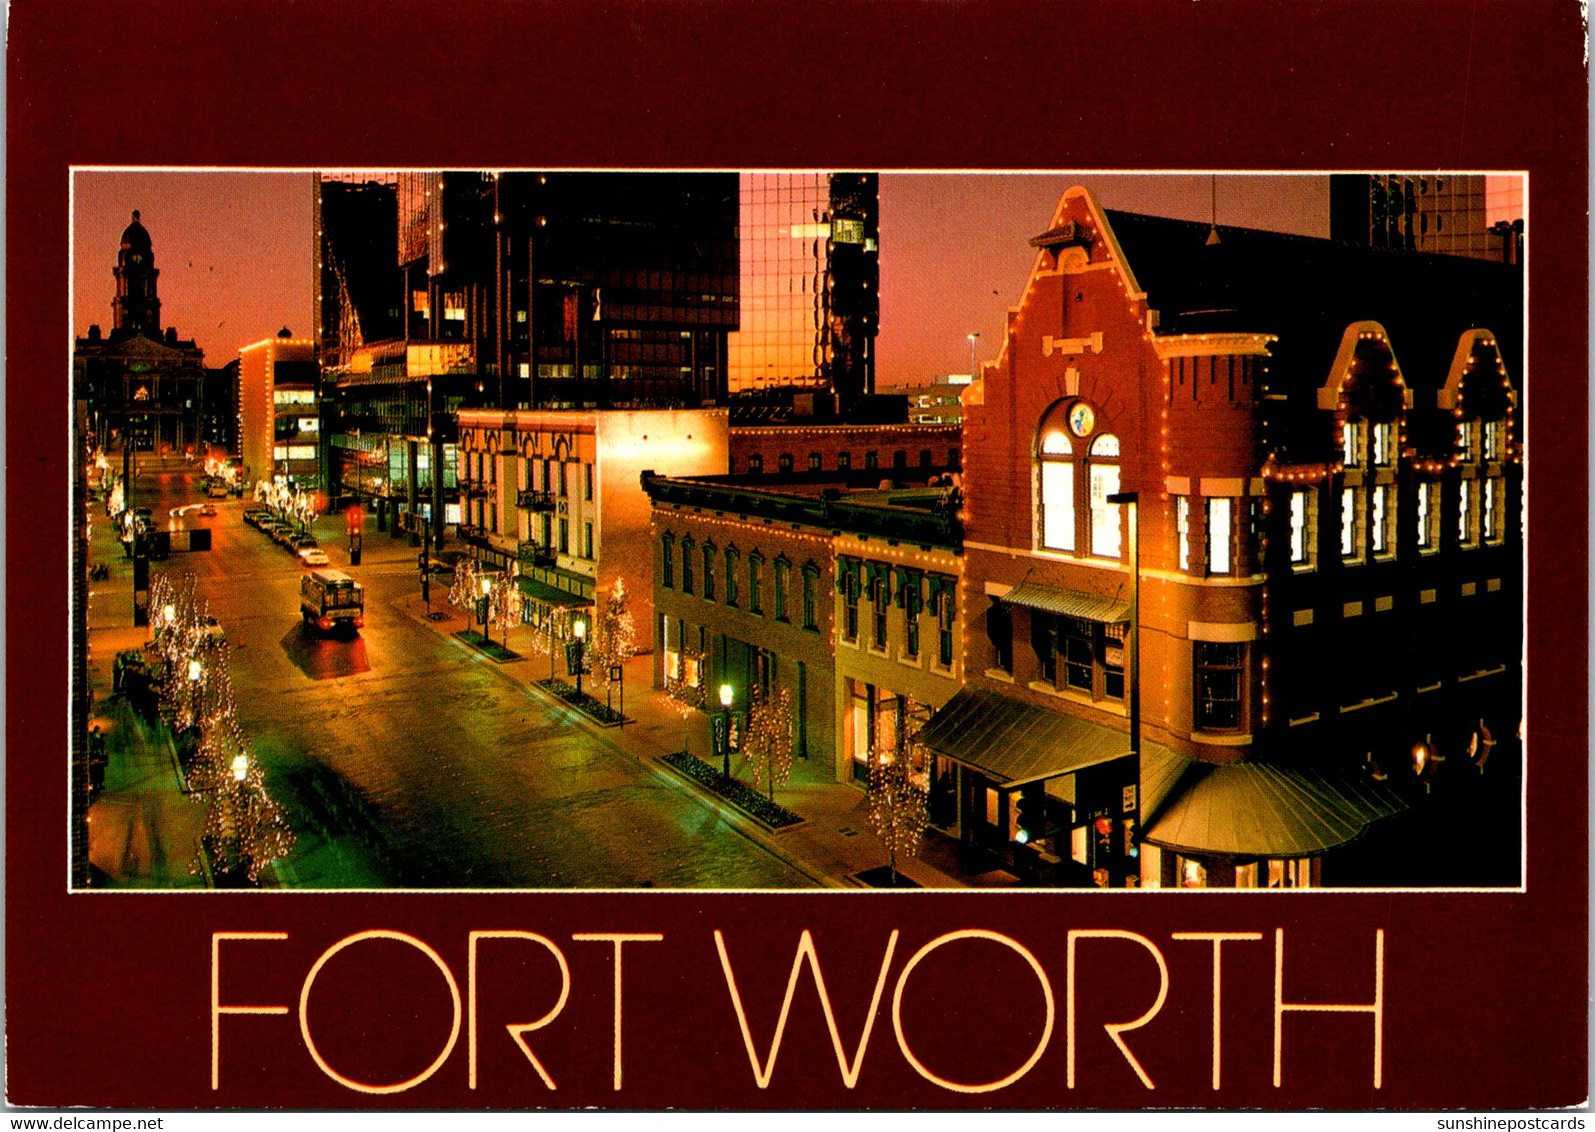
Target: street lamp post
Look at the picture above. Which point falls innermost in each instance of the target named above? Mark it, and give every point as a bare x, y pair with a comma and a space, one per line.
1132, 499
487, 607
723, 730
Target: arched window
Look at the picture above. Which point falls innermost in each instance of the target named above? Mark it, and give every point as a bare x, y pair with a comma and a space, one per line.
731, 575
1057, 490
667, 560
708, 571
686, 564
1103, 460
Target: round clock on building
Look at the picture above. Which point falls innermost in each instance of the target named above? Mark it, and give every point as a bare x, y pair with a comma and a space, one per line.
1081, 419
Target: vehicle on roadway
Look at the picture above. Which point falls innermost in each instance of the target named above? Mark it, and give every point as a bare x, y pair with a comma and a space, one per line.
313, 556
208, 511
330, 600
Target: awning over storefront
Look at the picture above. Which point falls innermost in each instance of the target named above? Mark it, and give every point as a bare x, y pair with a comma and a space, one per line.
1011, 742
1067, 603
1255, 809
550, 595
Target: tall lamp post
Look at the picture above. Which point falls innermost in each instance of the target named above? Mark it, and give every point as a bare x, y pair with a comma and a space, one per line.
1133, 808
579, 628
487, 607
973, 338
723, 729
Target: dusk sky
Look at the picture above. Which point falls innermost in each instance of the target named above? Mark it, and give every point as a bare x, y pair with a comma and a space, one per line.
236, 264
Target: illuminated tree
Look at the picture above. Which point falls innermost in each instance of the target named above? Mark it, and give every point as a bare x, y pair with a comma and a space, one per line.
768, 744
899, 811
467, 587
504, 604
615, 635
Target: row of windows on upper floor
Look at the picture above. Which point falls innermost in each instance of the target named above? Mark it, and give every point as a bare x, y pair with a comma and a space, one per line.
1076, 512
543, 527
785, 462
1367, 521
550, 476
705, 584
1374, 443
851, 586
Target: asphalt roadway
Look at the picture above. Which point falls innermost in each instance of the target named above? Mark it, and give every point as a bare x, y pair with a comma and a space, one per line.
406, 759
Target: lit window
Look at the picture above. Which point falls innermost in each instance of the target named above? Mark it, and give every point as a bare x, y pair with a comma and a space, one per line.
1219, 666
1300, 529
1381, 444
814, 461
1490, 514
1219, 513
1465, 515
755, 463
1182, 528
1104, 482
1057, 492
1381, 520
1494, 440
1349, 502
785, 462
1428, 517
844, 461
1465, 444
1351, 443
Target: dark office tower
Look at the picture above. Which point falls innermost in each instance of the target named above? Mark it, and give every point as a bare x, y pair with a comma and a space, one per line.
358, 296
811, 283
1470, 214
519, 290
622, 287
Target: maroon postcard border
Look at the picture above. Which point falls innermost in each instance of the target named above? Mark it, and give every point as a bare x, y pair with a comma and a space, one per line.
108, 997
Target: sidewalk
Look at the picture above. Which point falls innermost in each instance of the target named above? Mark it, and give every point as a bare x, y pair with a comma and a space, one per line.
143, 829
832, 843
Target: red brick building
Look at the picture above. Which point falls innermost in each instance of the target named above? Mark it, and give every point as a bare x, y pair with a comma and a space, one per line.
903, 449
1325, 460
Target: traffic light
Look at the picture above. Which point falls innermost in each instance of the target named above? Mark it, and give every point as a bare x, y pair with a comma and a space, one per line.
1032, 815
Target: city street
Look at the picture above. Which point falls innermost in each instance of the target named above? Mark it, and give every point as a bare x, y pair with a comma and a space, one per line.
406, 759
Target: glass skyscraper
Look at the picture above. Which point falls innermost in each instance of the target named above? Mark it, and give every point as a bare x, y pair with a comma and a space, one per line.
810, 283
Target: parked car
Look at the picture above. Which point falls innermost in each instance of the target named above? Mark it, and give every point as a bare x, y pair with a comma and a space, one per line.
208, 511
303, 541
313, 556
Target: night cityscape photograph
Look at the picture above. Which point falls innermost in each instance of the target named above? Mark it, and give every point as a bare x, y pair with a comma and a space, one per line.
790, 529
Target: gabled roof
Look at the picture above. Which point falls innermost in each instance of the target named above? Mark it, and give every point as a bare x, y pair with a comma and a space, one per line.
1307, 291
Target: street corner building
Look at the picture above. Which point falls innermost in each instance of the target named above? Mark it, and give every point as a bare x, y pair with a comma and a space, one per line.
1220, 585
1282, 477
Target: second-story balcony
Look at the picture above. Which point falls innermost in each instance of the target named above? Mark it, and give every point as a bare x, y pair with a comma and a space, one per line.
477, 489
536, 554
535, 500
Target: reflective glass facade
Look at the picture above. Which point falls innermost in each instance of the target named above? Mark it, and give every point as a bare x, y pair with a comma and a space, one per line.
810, 278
